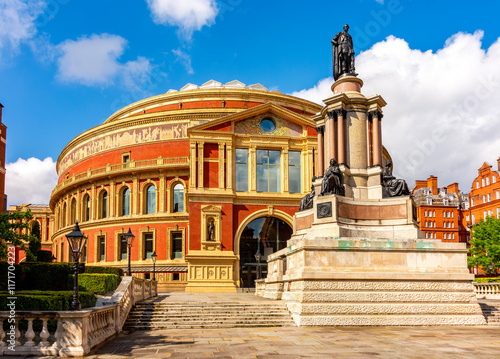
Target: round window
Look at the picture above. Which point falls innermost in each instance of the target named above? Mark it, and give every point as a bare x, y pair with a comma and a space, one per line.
268, 125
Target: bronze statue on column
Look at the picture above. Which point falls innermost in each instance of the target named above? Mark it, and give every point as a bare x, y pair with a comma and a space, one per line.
343, 54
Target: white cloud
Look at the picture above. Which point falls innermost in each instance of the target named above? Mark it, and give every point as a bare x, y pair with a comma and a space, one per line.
17, 23
184, 59
442, 116
30, 181
93, 61
188, 16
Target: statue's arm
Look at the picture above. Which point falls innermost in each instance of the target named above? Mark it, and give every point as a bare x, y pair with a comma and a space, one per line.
335, 39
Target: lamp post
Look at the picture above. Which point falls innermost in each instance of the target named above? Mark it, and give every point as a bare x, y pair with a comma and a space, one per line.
153, 258
257, 257
490, 267
76, 241
130, 239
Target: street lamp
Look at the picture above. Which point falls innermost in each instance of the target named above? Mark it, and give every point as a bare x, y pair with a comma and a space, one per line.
130, 239
490, 266
257, 257
76, 241
153, 258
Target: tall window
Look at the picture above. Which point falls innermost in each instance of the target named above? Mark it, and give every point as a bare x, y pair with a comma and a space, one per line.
62, 252
268, 171
151, 200
102, 248
178, 201
126, 202
73, 211
123, 248
176, 245
86, 209
63, 219
242, 169
104, 204
294, 172
148, 245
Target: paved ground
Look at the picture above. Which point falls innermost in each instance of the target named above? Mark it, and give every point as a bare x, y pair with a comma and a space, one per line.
289, 343
325, 342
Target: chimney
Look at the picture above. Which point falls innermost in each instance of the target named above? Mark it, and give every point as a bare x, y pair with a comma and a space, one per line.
432, 182
453, 188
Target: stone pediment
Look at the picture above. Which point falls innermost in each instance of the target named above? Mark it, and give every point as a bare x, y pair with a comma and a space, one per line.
286, 122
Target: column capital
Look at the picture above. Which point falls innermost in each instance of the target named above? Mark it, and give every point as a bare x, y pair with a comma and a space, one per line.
376, 114
320, 129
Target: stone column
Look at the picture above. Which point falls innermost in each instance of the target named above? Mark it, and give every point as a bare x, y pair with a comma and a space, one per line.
163, 191
192, 165
341, 136
252, 170
284, 167
229, 166
376, 138
200, 164
93, 203
221, 165
112, 199
135, 195
321, 153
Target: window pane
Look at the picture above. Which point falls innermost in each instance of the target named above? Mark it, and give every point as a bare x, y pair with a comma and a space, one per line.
104, 205
123, 248
241, 155
176, 245
274, 178
262, 180
151, 200
102, 249
178, 198
262, 156
148, 245
274, 157
126, 202
294, 179
242, 177
294, 158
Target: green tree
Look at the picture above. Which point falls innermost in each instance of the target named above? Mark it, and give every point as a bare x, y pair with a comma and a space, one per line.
35, 244
11, 231
485, 245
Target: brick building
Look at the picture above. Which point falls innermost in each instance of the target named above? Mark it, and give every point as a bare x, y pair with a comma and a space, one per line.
485, 194
441, 212
3, 142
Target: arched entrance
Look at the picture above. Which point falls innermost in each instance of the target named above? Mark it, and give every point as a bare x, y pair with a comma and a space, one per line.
264, 235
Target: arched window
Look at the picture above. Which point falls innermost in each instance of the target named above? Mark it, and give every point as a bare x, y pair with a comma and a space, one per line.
86, 208
178, 202
104, 204
73, 211
63, 218
126, 202
151, 200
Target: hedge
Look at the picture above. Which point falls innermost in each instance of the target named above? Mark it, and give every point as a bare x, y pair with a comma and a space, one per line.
48, 276
34, 300
487, 280
99, 283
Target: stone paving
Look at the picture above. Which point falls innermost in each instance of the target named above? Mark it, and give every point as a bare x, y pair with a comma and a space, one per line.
306, 342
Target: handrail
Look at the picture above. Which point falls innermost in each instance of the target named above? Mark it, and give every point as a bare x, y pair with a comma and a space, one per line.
77, 332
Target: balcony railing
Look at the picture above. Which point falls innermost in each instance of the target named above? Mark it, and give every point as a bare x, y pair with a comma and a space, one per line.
487, 290
74, 333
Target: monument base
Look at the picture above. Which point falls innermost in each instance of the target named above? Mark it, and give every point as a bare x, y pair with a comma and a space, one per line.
355, 281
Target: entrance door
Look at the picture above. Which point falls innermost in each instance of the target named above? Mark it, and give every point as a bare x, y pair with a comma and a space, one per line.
265, 236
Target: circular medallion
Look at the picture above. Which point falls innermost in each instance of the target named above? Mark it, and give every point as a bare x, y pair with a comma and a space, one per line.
268, 125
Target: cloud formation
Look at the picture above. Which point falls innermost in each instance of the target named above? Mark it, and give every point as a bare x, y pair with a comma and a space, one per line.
30, 181
17, 23
441, 117
184, 59
93, 61
188, 16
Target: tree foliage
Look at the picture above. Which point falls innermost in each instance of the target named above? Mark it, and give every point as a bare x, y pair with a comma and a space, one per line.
35, 244
485, 245
11, 231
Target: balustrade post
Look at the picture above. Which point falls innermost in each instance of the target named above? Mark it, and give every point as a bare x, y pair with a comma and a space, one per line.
44, 334
30, 334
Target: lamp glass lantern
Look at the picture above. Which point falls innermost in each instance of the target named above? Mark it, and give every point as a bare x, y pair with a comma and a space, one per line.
76, 240
130, 240
153, 258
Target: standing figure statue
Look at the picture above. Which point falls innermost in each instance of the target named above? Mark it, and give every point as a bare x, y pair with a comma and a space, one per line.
307, 201
333, 180
393, 187
211, 231
343, 54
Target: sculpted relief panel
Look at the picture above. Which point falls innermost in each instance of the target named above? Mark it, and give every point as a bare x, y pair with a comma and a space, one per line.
278, 127
122, 139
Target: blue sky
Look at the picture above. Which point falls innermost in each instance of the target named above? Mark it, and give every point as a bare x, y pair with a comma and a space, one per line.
66, 65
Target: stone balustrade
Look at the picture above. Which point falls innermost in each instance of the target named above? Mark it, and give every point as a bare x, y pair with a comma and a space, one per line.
487, 290
72, 333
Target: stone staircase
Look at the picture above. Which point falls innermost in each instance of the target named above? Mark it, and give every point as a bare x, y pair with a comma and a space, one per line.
491, 311
178, 315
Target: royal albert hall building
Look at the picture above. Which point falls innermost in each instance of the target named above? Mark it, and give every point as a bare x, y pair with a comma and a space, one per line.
204, 177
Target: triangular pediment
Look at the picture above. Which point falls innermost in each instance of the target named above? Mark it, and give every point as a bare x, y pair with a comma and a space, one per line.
287, 123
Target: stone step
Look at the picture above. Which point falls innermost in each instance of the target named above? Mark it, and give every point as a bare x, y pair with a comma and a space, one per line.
207, 315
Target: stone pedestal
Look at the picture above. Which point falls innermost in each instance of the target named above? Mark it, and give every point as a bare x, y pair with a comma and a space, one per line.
211, 271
